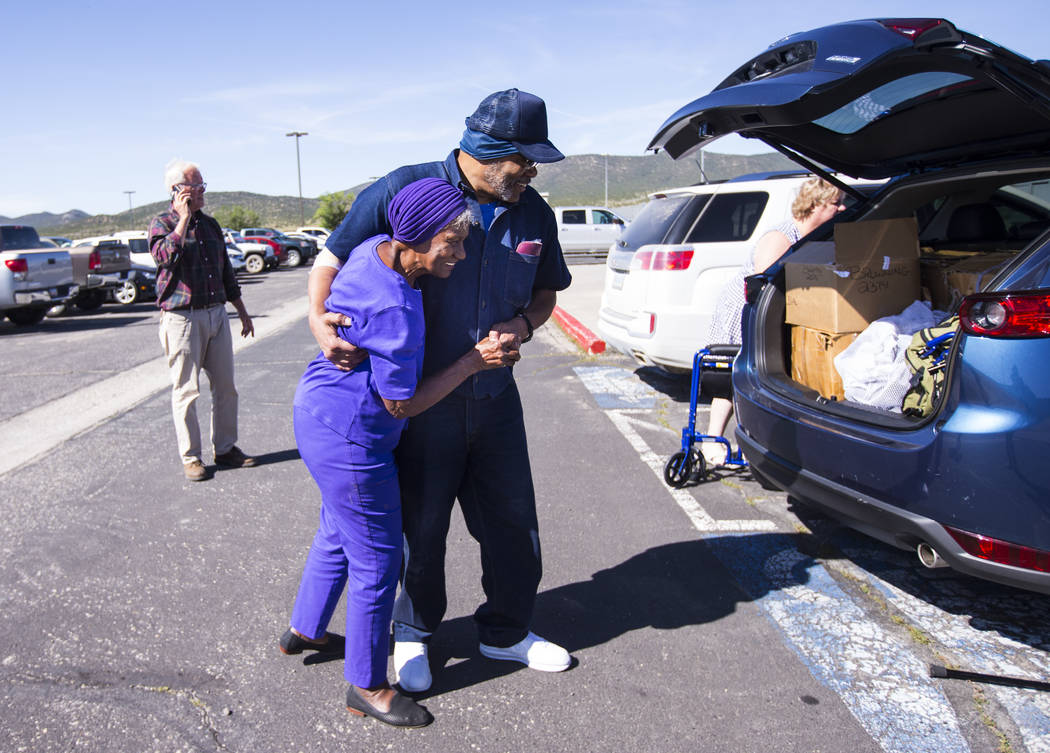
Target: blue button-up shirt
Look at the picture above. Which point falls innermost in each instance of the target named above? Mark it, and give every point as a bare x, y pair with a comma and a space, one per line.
491, 285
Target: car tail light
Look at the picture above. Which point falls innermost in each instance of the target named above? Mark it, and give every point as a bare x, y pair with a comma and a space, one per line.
662, 261
1022, 314
17, 265
1002, 552
652, 323
641, 260
95, 260
672, 260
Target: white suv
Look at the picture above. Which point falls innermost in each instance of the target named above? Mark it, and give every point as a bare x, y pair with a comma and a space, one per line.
664, 275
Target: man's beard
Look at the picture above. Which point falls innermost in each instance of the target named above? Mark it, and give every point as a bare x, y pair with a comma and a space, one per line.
501, 184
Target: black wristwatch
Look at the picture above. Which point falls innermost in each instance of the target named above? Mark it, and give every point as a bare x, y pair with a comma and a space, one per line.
527, 324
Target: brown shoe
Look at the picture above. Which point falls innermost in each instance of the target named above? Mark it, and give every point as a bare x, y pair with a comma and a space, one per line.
195, 471
234, 458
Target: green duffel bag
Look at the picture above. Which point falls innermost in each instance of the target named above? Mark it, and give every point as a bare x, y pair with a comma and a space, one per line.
927, 356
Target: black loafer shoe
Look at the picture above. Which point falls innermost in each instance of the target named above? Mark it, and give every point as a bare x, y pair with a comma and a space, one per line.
291, 643
404, 712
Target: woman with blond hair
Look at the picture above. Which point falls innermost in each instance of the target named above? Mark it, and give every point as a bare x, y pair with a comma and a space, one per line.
816, 203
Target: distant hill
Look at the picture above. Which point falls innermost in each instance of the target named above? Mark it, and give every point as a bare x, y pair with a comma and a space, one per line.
579, 179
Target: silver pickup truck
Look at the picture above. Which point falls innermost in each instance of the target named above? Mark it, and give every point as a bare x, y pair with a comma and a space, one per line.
33, 276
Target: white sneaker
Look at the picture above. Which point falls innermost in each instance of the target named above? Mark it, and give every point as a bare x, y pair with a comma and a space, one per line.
532, 651
412, 666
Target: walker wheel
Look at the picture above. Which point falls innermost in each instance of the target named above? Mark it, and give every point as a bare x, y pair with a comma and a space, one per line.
681, 466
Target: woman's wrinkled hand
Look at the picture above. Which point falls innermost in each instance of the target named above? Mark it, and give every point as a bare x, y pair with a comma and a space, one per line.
496, 353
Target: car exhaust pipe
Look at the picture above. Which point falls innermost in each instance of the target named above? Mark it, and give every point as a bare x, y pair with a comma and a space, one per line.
928, 556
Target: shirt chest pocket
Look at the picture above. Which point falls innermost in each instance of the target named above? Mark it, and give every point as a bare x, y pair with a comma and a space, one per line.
521, 273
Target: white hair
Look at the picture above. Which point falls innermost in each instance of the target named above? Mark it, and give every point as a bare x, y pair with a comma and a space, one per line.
175, 171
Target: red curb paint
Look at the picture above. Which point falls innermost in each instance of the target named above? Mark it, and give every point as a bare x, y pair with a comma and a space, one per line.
587, 339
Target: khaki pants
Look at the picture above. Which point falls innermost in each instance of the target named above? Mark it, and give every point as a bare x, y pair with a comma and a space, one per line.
194, 340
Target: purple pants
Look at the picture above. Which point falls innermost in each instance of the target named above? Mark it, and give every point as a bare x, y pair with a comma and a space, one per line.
358, 544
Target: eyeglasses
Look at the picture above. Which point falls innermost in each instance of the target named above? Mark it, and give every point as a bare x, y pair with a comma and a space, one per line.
526, 163
192, 186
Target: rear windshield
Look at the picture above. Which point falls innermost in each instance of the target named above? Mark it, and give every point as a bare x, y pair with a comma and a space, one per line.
654, 223
139, 245
882, 100
19, 237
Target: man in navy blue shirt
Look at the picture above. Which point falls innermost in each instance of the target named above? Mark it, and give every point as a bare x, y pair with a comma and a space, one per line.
472, 444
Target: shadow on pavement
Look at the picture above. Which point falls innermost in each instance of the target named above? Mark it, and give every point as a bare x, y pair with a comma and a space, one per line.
666, 587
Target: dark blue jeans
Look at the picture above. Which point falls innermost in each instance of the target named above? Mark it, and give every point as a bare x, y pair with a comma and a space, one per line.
473, 450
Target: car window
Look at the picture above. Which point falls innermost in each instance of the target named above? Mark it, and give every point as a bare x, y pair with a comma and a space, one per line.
659, 217
19, 237
139, 245
574, 216
601, 217
882, 100
729, 217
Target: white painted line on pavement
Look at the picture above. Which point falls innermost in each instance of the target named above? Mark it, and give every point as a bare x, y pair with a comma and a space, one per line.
883, 684
982, 650
699, 517
27, 436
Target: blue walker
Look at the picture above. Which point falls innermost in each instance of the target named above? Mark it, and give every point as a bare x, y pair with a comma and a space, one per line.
689, 461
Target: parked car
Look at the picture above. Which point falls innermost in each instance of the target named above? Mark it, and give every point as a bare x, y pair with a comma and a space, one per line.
962, 127
141, 285
138, 242
587, 229
100, 267
319, 234
33, 276
258, 256
664, 275
309, 243
57, 240
292, 251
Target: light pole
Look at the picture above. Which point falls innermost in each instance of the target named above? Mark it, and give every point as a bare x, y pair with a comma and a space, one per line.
131, 212
298, 171
606, 204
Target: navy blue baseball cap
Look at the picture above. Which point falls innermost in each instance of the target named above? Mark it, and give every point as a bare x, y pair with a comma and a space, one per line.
519, 118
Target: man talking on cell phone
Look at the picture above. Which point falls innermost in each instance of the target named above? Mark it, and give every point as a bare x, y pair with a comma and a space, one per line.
195, 281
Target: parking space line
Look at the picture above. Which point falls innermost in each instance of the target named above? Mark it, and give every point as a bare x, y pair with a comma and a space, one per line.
29, 435
983, 650
883, 684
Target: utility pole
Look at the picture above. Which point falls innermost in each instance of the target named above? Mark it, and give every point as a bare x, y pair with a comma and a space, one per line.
298, 171
131, 212
606, 181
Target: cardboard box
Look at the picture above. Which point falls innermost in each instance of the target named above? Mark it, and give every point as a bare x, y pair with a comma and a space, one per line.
870, 271
970, 276
812, 359
949, 278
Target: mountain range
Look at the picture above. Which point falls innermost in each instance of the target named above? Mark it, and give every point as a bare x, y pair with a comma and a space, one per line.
578, 179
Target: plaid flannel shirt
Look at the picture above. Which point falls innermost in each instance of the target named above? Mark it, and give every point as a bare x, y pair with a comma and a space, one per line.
192, 272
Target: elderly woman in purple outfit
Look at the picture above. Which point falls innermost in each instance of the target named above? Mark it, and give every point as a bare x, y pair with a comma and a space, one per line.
347, 424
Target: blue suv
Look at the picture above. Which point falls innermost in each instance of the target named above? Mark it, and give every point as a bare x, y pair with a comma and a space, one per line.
961, 128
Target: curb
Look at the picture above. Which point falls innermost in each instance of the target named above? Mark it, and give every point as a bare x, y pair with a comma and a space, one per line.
587, 340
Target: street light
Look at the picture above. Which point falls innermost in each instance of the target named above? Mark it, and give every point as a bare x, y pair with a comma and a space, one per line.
131, 212
298, 171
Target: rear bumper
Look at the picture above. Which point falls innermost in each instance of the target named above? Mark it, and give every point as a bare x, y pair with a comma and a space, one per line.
882, 521
630, 335
43, 296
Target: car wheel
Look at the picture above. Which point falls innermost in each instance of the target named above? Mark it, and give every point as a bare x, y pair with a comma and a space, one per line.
127, 293
26, 317
90, 300
254, 264
294, 258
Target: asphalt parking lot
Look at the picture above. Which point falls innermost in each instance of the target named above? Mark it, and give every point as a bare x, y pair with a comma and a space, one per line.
140, 612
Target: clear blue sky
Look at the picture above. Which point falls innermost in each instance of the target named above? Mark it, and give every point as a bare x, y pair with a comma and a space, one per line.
98, 94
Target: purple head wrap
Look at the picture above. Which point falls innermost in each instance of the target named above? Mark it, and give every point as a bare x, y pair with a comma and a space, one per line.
421, 209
